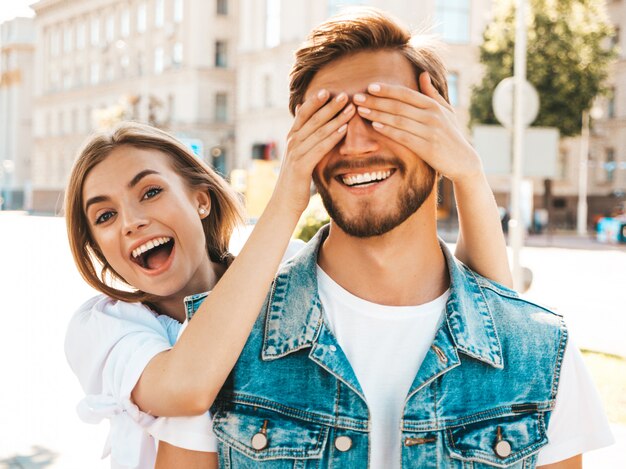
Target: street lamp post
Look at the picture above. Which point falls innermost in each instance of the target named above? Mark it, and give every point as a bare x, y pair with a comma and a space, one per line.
583, 169
516, 226
581, 217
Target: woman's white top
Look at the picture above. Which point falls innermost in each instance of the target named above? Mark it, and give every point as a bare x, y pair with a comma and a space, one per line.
108, 345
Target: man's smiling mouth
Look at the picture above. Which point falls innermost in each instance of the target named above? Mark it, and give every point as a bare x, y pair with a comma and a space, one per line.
364, 179
154, 253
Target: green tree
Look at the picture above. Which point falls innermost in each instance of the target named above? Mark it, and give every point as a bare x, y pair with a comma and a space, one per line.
569, 55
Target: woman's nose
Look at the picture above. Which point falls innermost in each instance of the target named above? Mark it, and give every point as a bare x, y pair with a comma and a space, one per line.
133, 220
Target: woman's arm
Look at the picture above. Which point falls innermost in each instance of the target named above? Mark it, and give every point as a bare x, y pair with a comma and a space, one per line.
481, 243
186, 379
172, 457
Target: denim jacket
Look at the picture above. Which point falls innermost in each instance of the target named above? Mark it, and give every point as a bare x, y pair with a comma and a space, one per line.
481, 398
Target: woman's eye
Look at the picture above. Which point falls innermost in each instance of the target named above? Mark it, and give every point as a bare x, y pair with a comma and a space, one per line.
153, 191
106, 216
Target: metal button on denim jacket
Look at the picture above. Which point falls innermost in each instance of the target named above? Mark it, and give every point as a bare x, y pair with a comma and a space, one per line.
481, 398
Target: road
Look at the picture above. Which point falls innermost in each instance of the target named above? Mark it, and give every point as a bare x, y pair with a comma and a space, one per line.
41, 288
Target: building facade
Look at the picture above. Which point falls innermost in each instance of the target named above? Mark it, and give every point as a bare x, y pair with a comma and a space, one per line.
17, 52
170, 63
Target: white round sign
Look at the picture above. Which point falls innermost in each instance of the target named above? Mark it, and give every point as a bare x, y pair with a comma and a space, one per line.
502, 102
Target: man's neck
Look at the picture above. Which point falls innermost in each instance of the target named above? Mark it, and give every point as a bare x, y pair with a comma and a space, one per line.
400, 268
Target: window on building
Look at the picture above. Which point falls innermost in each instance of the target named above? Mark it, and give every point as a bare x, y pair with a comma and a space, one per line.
179, 6
109, 28
78, 76
109, 71
272, 23
95, 31
74, 129
222, 7
453, 88
88, 122
125, 23
141, 17
140, 64
94, 73
562, 164
221, 107
60, 123
609, 165
158, 60
55, 39
452, 20
67, 80
177, 54
159, 13
124, 64
267, 90
171, 108
68, 38
80, 36
220, 54
54, 80
610, 108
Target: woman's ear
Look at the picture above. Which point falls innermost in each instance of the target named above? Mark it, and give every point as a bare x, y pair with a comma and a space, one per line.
203, 201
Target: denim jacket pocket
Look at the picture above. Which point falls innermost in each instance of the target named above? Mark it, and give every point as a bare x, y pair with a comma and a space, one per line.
509, 441
263, 435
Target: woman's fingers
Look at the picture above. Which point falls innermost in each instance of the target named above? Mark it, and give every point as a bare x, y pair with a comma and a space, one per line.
324, 139
324, 123
305, 110
427, 88
406, 122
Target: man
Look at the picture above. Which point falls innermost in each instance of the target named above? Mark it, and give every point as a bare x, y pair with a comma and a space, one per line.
376, 348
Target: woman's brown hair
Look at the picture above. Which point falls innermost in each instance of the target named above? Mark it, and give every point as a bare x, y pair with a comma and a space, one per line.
225, 213
359, 30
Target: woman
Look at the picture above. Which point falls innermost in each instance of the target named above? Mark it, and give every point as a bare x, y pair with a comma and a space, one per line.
148, 225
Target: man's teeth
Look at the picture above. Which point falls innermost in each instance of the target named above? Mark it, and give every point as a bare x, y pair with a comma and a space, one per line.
366, 177
149, 245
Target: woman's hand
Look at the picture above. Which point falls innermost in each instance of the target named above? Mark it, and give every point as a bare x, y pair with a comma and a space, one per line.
320, 124
423, 122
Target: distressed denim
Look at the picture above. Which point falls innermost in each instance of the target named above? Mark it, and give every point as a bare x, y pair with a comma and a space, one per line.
489, 379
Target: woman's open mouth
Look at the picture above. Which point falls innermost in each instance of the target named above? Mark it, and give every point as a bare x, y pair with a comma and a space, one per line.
153, 254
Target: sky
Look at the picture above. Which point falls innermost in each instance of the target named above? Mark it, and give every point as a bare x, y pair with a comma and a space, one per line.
9, 9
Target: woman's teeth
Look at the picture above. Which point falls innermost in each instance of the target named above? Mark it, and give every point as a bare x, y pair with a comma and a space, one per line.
365, 177
149, 245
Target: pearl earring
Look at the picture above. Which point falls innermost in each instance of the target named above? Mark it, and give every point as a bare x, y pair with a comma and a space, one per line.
201, 211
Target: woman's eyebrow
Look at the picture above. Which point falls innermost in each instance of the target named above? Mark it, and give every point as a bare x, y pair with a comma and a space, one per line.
95, 200
139, 176
133, 182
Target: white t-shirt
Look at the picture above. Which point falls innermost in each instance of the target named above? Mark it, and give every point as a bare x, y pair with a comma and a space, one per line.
108, 345
386, 345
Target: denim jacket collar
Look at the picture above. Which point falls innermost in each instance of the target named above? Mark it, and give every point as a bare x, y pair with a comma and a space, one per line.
294, 313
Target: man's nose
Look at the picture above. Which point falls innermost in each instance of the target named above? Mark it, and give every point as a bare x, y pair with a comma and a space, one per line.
133, 220
360, 138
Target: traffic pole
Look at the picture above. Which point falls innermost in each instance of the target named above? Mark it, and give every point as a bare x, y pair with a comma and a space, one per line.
516, 224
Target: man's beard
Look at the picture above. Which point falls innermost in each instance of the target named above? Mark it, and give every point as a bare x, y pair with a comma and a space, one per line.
366, 223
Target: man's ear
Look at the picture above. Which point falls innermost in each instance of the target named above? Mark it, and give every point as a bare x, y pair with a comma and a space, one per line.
203, 202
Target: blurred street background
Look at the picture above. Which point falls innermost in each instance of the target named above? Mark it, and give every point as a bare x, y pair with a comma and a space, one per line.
214, 73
